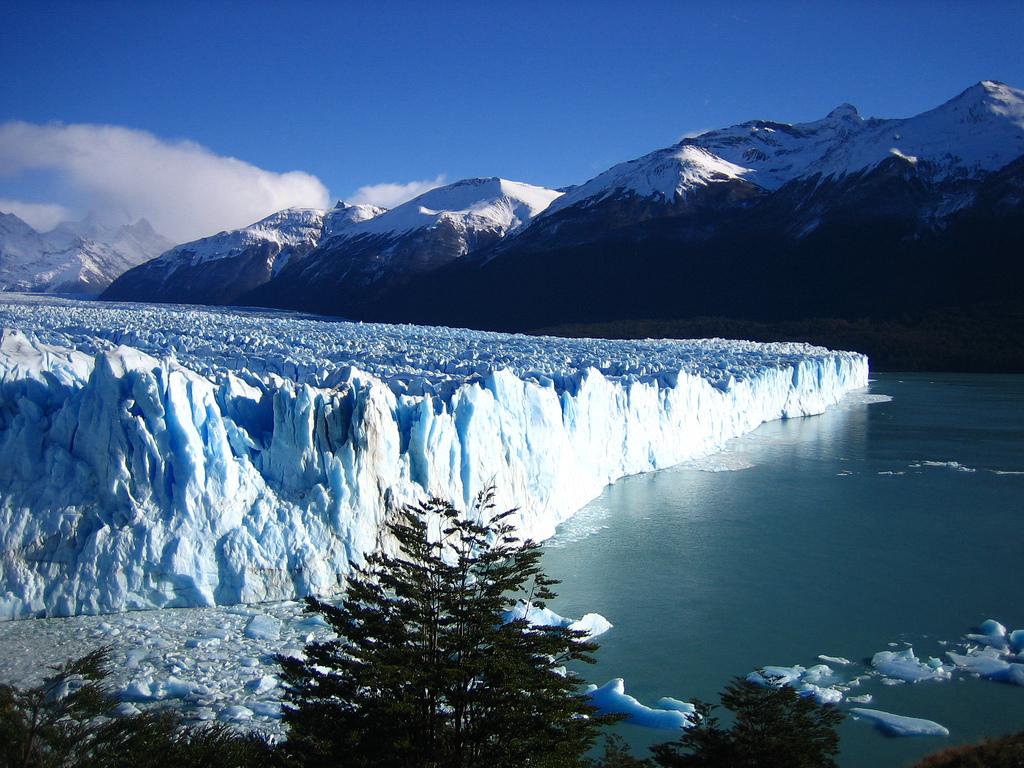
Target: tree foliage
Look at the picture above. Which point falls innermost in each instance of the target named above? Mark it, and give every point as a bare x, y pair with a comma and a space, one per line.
773, 727
68, 721
426, 670
1003, 752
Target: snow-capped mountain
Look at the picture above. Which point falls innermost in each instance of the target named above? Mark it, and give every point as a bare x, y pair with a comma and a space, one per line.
839, 218
843, 217
220, 268
75, 257
980, 130
350, 269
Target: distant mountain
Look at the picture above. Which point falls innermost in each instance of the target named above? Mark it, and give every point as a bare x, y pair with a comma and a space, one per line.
906, 221
75, 257
221, 268
352, 268
909, 221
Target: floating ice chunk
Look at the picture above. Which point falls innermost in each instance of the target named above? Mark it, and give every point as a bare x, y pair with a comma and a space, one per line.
312, 621
949, 465
147, 689
266, 708
900, 725
904, 665
593, 624
667, 702
834, 660
263, 627
813, 682
1016, 639
776, 676
817, 674
611, 699
861, 398
862, 699
992, 628
724, 461
993, 641
535, 615
822, 695
988, 663
235, 713
261, 685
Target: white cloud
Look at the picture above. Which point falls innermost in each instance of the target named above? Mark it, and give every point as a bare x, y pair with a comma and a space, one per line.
388, 195
183, 188
40, 216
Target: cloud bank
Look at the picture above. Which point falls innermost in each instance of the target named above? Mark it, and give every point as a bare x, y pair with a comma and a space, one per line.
183, 188
42, 217
389, 194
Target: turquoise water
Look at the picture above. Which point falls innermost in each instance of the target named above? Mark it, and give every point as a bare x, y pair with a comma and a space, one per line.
807, 545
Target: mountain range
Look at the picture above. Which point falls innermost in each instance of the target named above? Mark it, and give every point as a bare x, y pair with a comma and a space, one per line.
79, 257
900, 237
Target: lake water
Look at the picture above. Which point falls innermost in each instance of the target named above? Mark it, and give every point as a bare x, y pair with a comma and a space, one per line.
825, 535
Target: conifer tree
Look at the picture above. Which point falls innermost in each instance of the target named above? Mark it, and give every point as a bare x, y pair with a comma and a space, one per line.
774, 727
427, 671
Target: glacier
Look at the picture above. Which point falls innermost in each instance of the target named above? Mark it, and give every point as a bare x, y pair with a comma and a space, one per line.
164, 456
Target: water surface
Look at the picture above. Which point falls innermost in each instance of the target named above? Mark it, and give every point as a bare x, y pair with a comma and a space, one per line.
824, 535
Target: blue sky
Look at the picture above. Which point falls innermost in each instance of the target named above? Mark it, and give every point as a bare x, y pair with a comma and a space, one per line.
357, 95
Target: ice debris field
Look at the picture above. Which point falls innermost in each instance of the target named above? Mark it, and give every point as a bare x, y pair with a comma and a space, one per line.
219, 664
161, 456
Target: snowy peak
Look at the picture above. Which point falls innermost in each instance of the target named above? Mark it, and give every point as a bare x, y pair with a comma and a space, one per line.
277, 233
344, 215
988, 97
664, 175
491, 204
75, 256
844, 111
13, 226
979, 131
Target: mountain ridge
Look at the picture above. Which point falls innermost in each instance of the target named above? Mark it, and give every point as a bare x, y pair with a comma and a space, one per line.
841, 217
80, 257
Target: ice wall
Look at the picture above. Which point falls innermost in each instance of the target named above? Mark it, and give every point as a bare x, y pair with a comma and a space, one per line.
225, 457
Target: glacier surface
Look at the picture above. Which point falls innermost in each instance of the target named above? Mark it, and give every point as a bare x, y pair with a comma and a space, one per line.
160, 456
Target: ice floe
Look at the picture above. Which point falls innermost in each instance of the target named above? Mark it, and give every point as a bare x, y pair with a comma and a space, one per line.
899, 725
612, 699
593, 624
904, 665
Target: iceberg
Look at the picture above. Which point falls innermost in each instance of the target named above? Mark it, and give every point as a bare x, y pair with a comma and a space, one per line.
593, 624
899, 725
612, 699
904, 665
161, 456
818, 682
990, 664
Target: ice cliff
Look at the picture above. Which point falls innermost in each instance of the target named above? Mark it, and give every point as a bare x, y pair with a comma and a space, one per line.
162, 456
